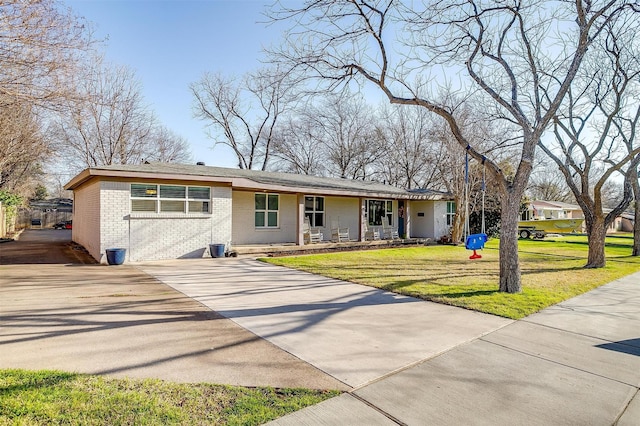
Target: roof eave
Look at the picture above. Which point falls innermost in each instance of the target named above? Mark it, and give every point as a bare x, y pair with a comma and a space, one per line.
87, 174
241, 183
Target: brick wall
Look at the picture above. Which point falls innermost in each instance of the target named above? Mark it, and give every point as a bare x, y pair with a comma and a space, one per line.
86, 218
114, 215
151, 236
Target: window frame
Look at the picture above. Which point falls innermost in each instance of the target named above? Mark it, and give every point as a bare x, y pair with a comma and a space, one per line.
266, 211
387, 212
313, 213
451, 212
158, 199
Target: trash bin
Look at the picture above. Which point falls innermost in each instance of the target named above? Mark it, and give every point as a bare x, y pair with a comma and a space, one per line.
115, 256
216, 250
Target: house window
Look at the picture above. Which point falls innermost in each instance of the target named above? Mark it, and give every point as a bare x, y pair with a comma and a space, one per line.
451, 212
170, 198
314, 210
266, 210
379, 212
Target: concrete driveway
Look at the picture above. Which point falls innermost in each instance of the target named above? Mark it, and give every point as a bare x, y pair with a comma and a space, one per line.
356, 334
58, 313
414, 362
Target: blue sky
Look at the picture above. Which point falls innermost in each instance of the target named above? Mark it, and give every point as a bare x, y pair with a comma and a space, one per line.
171, 43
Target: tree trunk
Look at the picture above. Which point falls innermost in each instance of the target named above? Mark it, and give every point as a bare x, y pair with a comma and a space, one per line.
597, 233
510, 280
458, 221
636, 218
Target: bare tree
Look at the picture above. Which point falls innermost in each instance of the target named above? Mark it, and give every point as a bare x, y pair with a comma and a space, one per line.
243, 114
111, 124
23, 148
547, 183
346, 132
165, 146
461, 176
41, 48
296, 146
408, 158
511, 53
595, 132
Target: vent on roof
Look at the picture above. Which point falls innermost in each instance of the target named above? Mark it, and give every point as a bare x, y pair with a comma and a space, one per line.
200, 163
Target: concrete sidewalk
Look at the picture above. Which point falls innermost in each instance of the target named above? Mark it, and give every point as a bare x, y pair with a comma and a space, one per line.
414, 362
577, 363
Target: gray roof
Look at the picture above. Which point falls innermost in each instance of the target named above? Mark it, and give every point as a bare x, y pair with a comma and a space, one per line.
252, 179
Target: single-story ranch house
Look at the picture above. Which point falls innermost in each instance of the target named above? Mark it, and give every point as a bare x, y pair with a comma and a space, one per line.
167, 211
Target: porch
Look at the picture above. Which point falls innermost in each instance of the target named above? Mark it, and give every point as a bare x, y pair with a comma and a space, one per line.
291, 249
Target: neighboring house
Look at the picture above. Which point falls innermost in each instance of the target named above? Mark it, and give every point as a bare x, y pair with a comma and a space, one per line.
45, 212
540, 209
626, 222
164, 211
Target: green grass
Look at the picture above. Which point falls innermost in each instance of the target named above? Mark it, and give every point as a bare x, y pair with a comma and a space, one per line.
54, 397
552, 271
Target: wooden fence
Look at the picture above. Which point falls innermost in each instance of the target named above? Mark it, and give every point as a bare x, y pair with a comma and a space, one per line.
27, 218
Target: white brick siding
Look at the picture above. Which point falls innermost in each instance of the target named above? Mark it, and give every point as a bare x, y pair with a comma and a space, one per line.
221, 215
114, 216
169, 237
86, 218
107, 222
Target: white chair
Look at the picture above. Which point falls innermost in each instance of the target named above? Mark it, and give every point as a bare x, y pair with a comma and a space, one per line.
311, 235
390, 233
371, 234
339, 234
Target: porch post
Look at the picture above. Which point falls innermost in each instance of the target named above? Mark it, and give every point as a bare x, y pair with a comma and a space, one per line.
300, 220
407, 218
362, 219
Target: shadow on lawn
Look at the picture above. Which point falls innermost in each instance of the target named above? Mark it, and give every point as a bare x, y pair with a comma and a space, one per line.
396, 286
459, 295
22, 380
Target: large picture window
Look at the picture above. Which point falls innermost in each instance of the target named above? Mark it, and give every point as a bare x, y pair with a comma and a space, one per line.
266, 210
153, 198
380, 212
314, 210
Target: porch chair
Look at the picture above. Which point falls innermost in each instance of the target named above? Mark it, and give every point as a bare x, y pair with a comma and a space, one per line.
338, 234
390, 233
311, 235
371, 234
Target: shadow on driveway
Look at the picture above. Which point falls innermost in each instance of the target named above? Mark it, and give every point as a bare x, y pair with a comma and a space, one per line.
44, 246
58, 313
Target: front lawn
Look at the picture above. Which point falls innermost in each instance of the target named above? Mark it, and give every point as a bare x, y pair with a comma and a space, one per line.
552, 271
54, 397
